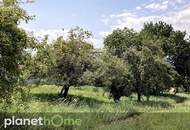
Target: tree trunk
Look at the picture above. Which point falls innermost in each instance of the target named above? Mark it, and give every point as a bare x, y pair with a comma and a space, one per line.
147, 98
116, 98
138, 87
64, 91
139, 96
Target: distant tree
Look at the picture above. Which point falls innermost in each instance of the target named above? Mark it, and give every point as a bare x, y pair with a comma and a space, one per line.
175, 47
114, 74
109, 72
148, 66
118, 43
152, 74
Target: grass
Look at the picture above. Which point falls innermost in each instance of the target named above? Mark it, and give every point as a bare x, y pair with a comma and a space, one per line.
90, 99
98, 111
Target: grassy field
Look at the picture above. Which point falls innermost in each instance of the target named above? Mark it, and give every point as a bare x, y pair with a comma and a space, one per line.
168, 112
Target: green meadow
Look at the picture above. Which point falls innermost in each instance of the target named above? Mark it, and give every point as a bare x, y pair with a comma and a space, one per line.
98, 111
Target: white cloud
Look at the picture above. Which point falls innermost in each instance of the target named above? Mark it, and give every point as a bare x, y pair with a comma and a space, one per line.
180, 19
178, 1
158, 6
165, 2
52, 33
138, 8
97, 43
135, 21
162, 5
125, 13
104, 34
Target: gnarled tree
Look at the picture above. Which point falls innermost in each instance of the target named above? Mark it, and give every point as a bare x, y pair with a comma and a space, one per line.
73, 59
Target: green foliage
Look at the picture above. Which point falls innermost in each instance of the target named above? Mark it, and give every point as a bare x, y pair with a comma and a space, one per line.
159, 29
113, 73
149, 69
64, 61
120, 40
73, 57
13, 45
152, 75
175, 47
42, 61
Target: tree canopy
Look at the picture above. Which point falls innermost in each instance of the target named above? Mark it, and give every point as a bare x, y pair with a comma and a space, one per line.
150, 71
13, 45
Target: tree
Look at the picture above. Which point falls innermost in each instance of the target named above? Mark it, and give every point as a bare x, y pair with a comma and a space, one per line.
120, 40
109, 72
73, 59
114, 74
146, 60
13, 45
133, 57
118, 43
152, 74
175, 47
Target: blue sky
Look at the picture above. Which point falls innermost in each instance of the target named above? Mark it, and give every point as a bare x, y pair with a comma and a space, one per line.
102, 16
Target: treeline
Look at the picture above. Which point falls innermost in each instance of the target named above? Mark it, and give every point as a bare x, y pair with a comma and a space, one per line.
148, 62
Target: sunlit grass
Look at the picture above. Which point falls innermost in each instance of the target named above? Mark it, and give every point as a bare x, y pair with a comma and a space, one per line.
44, 98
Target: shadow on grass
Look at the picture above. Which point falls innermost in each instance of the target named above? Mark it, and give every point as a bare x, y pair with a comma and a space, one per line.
46, 97
160, 104
71, 99
92, 102
164, 104
80, 100
177, 98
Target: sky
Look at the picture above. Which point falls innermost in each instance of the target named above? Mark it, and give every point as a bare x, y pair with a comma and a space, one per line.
101, 17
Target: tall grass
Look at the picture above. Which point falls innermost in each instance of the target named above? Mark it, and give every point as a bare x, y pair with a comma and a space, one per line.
99, 111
